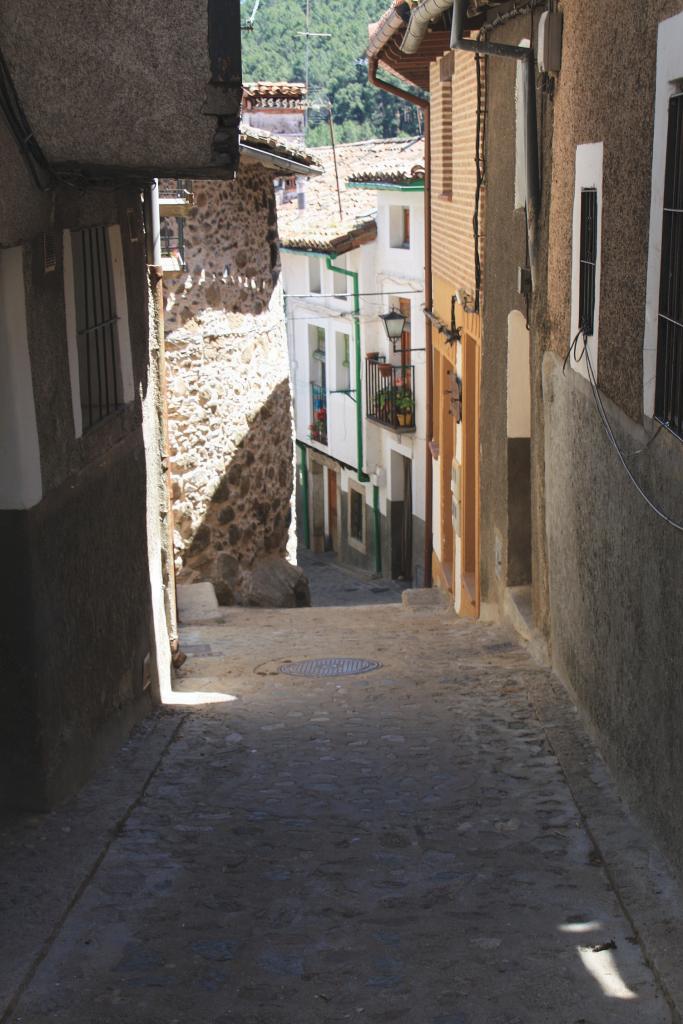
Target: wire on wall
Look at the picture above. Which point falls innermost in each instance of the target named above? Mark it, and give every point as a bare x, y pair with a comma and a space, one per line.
585, 354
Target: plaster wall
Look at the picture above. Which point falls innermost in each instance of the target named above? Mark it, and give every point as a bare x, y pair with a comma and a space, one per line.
229, 396
148, 65
613, 565
614, 572
75, 608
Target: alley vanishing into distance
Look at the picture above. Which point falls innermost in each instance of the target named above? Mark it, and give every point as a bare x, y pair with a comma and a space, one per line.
396, 845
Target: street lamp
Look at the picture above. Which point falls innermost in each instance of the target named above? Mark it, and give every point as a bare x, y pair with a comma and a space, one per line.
394, 324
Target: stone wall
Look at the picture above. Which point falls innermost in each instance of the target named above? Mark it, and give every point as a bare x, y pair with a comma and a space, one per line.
229, 398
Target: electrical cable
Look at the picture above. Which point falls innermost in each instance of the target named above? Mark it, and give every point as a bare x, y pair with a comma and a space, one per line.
607, 426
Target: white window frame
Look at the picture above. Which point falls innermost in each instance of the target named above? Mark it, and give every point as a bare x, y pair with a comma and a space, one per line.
668, 82
359, 545
397, 238
315, 275
342, 343
118, 271
520, 133
588, 174
340, 281
21, 484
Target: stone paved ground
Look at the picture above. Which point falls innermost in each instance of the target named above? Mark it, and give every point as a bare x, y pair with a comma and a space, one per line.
396, 846
335, 585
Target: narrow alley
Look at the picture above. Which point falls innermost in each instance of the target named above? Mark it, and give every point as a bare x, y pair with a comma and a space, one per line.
399, 844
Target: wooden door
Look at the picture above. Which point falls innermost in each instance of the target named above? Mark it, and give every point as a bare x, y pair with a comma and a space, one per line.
470, 478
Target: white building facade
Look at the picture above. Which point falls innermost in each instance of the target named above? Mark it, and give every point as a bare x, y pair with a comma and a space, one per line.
360, 398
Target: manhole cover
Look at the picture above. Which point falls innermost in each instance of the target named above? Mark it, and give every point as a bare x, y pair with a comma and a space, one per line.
329, 667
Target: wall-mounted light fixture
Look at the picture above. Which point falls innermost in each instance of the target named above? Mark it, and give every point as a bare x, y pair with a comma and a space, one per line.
394, 324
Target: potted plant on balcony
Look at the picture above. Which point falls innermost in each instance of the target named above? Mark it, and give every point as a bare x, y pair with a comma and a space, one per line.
405, 406
383, 400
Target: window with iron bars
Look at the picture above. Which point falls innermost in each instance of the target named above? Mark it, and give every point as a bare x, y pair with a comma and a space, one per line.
669, 381
96, 326
588, 257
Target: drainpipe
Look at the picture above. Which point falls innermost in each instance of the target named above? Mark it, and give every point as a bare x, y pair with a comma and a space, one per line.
304, 492
156, 276
378, 539
353, 274
423, 104
526, 55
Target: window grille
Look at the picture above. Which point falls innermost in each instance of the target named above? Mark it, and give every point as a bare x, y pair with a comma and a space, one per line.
588, 255
96, 326
669, 383
357, 508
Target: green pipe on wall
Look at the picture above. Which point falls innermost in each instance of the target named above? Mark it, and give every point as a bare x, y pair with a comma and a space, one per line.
304, 492
353, 274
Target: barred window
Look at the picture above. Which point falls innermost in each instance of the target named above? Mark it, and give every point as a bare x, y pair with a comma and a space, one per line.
357, 508
588, 255
669, 382
96, 326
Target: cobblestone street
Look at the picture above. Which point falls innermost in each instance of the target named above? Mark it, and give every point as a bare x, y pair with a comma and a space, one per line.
335, 585
400, 845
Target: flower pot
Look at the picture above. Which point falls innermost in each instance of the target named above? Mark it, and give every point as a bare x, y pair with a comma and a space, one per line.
404, 419
385, 369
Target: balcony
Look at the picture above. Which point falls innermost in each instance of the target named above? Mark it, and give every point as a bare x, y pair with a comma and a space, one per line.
390, 395
318, 428
175, 198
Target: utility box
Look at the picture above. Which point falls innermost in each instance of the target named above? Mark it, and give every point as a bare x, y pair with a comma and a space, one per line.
549, 55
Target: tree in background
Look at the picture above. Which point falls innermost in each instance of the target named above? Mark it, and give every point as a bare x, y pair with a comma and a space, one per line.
275, 50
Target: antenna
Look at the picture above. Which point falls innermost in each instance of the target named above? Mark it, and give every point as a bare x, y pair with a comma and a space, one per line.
249, 23
308, 34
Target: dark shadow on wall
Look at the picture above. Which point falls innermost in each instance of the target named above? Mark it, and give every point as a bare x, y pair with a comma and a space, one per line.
250, 511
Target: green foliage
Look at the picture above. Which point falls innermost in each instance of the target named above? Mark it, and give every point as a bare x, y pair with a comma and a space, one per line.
274, 51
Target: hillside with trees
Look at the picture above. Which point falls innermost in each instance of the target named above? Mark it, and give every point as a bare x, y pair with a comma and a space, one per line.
275, 50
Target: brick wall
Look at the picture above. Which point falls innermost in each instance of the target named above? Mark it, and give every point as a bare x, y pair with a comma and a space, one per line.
453, 85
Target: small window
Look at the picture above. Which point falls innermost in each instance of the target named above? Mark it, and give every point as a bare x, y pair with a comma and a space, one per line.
314, 276
357, 516
588, 255
343, 350
399, 227
586, 258
340, 282
669, 384
96, 326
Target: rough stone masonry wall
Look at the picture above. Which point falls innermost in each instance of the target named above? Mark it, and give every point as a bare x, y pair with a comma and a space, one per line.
229, 399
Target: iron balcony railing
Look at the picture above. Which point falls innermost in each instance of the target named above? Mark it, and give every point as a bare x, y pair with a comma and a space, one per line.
318, 428
390, 395
173, 241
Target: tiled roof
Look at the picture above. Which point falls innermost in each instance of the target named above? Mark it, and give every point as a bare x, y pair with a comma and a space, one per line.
390, 174
330, 238
275, 90
319, 226
256, 138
